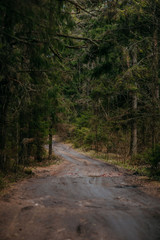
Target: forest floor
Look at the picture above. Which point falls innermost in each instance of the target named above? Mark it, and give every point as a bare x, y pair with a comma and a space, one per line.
80, 199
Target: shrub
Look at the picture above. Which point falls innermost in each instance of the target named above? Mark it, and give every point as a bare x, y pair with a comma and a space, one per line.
153, 156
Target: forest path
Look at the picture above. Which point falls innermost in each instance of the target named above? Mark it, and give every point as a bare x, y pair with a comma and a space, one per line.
82, 199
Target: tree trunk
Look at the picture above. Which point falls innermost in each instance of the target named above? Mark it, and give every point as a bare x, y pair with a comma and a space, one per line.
3, 130
2, 140
133, 146
155, 82
50, 142
133, 143
17, 142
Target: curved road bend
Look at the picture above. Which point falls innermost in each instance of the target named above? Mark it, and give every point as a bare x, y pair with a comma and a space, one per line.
85, 200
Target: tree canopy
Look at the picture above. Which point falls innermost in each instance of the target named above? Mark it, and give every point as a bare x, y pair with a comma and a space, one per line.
88, 70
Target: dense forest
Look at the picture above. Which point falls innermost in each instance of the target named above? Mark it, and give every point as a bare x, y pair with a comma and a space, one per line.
85, 70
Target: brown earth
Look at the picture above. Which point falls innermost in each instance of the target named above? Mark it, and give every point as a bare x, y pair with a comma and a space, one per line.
80, 199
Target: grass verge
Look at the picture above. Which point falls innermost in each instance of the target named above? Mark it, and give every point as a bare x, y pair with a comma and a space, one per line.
134, 166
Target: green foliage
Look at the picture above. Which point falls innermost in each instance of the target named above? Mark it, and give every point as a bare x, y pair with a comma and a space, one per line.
28, 171
50, 76
105, 77
30, 74
152, 156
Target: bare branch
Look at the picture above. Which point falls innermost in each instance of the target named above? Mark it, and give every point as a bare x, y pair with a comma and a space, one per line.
80, 7
77, 37
56, 53
32, 70
76, 47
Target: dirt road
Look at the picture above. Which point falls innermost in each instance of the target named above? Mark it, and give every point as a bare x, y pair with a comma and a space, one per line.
82, 199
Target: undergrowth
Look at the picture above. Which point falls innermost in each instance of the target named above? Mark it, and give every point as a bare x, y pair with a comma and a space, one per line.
137, 167
9, 177
144, 164
13, 175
